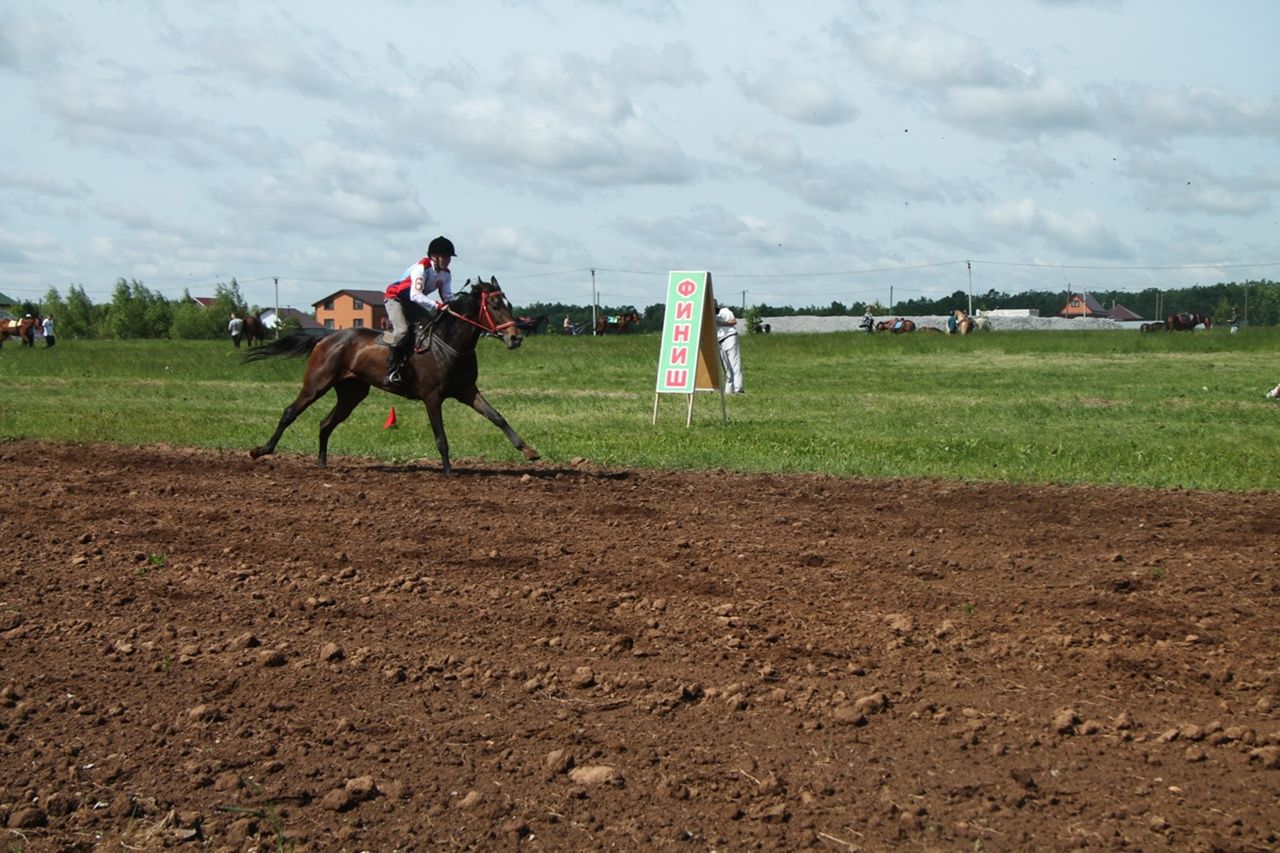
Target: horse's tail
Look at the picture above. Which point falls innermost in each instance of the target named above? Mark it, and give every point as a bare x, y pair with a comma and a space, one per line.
290, 346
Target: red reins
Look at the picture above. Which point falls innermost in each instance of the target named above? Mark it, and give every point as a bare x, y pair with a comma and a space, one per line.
486, 323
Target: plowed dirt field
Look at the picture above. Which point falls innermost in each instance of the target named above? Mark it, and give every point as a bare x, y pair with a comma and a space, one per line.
198, 651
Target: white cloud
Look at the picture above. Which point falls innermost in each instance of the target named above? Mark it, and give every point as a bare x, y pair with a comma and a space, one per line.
329, 191
1152, 116
1083, 233
34, 38
838, 185
1036, 163
809, 100
1183, 185
928, 57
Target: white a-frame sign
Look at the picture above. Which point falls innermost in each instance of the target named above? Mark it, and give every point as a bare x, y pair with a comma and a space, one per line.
689, 360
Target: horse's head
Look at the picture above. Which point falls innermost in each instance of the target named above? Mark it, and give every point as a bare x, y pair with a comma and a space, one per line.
1208, 321
493, 312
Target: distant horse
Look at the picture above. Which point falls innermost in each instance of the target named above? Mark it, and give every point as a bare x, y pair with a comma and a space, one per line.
253, 329
1151, 327
351, 361
896, 326
9, 329
532, 325
627, 322
1186, 322
964, 323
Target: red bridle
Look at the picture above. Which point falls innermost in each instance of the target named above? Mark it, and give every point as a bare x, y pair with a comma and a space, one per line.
486, 322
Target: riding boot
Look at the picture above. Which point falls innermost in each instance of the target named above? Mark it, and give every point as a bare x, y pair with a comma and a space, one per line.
395, 363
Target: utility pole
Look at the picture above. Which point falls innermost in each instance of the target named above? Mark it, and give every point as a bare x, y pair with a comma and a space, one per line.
277, 328
891, 299
593, 302
968, 266
744, 303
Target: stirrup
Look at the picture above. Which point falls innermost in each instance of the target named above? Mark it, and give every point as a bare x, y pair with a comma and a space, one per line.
394, 377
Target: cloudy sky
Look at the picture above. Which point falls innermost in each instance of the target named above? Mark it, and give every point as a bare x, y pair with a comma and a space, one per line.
803, 151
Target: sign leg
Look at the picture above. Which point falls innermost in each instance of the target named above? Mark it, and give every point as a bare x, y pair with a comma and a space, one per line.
688, 418
654, 422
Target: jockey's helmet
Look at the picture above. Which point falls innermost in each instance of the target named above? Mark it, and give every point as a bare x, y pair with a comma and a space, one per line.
441, 246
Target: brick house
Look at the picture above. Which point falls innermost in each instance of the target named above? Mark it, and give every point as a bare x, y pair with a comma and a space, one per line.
351, 309
1082, 305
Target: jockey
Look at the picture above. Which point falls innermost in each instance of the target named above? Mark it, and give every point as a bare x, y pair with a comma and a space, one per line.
407, 299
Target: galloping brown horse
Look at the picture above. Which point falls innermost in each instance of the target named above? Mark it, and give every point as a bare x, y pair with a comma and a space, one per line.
253, 329
352, 361
618, 322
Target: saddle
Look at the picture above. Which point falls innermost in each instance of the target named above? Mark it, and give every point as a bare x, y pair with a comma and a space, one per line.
421, 332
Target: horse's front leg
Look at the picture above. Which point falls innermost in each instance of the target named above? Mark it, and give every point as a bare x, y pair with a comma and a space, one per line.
434, 415
473, 398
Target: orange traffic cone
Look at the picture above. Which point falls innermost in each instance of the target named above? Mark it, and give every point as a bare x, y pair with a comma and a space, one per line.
391, 419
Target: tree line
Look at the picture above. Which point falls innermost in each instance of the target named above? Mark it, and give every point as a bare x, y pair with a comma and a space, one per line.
138, 312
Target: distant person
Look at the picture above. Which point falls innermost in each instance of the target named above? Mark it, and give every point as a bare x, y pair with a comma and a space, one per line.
868, 323
1235, 321
730, 354
28, 329
48, 332
407, 299
567, 326
1273, 393
236, 328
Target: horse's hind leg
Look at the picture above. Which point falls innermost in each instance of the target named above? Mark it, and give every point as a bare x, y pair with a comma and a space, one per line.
476, 400
309, 394
351, 392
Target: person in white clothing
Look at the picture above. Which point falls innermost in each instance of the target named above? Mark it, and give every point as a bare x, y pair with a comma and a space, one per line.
730, 355
409, 298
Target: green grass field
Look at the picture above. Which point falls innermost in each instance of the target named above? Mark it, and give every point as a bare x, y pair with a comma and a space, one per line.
1169, 410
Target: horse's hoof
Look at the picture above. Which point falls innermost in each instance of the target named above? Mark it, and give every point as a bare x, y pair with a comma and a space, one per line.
256, 452
531, 454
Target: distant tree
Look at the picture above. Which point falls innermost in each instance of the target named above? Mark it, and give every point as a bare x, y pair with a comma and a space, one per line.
287, 326
54, 306
81, 318
190, 321
136, 312
653, 317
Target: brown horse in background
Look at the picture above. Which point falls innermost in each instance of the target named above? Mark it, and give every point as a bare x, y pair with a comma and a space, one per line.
626, 322
1186, 322
533, 325
9, 329
253, 330
352, 361
896, 326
